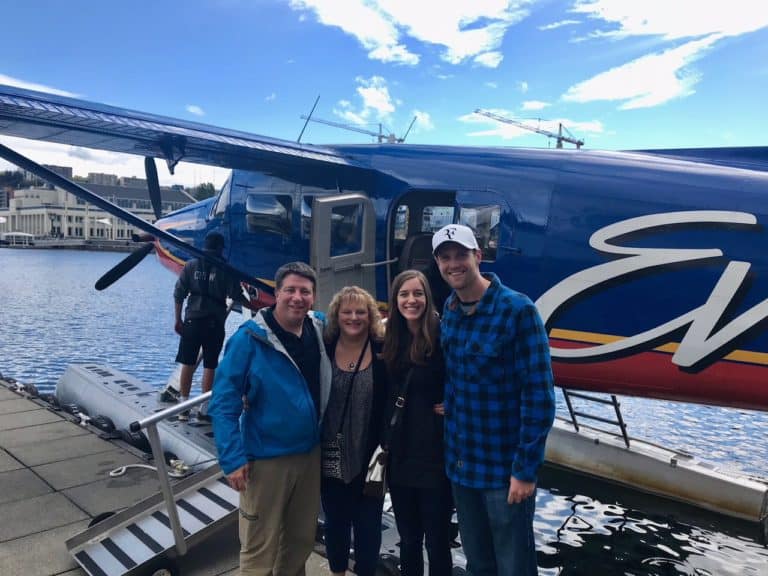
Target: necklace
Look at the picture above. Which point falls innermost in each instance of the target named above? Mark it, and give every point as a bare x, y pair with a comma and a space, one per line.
352, 364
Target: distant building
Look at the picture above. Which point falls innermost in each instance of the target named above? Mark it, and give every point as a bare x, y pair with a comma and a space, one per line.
133, 182
103, 179
45, 211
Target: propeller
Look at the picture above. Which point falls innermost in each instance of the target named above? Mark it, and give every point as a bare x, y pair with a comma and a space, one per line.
128, 263
124, 266
153, 185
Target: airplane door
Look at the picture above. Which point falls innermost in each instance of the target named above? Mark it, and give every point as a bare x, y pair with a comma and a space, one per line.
343, 245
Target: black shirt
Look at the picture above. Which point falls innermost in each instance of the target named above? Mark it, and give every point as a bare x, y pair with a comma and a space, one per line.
304, 350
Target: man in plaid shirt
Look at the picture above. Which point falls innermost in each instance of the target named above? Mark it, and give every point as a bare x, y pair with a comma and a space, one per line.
499, 407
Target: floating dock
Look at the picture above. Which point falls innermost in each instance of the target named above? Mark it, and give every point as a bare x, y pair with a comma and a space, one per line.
54, 480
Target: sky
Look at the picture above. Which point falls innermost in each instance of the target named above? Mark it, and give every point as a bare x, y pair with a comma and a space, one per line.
618, 74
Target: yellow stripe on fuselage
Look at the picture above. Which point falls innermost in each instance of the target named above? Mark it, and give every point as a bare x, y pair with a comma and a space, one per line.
671, 348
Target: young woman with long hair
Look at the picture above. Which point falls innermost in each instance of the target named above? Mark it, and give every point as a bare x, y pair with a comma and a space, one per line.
418, 486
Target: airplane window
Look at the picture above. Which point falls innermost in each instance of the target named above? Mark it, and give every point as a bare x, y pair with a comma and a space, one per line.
435, 217
401, 222
268, 213
346, 230
484, 220
306, 216
223, 202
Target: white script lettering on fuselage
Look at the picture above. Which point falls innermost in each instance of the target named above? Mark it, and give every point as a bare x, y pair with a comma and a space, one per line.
699, 340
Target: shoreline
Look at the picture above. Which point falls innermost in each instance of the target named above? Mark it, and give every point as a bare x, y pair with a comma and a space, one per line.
75, 244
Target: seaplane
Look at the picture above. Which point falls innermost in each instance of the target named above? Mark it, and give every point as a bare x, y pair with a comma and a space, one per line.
649, 268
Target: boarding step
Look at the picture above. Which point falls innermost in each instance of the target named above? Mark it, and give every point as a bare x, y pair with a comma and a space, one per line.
576, 414
139, 539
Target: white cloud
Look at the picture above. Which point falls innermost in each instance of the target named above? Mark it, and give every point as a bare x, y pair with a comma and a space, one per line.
535, 105
372, 28
675, 19
489, 59
377, 104
423, 121
10, 81
522, 86
492, 84
271, 97
692, 26
195, 109
464, 30
559, 24
647, 81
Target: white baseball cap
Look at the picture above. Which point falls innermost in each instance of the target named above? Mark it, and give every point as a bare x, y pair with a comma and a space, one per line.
455, 233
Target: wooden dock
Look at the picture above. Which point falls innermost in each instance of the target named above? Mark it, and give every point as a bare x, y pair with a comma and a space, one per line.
54, 479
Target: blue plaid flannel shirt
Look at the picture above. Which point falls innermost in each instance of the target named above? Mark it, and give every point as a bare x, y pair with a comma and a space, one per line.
499, 394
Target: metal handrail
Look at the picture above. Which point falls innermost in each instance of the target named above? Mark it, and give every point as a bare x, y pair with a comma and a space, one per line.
150, 425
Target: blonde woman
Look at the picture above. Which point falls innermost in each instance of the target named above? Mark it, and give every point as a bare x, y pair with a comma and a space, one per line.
352, 430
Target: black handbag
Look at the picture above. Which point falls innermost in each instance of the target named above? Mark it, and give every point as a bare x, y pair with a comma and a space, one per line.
376, 477
333, 449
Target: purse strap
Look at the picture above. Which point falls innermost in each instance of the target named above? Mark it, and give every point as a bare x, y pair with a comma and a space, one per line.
351, 382
397, 413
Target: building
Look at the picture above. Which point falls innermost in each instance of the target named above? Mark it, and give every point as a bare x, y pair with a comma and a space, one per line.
52, 212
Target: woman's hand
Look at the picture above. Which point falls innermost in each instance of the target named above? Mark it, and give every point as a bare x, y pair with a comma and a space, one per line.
439, 409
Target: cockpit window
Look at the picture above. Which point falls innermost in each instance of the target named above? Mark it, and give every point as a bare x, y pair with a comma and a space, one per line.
435, 217
222, 203
269, 213
484, 220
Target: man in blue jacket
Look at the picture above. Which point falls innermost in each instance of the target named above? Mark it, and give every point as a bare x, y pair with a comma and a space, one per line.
271, 390
499, 407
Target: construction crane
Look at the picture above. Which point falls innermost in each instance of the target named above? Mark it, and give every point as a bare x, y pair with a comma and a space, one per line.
559, 137
380, 135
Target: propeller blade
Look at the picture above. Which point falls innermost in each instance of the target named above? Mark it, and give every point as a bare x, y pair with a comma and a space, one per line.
153, 185
124, 266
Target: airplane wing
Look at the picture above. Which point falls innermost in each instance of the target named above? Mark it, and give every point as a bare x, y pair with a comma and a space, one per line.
746, 157
41, 116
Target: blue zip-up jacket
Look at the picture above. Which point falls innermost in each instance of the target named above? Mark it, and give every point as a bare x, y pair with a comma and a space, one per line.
279, 417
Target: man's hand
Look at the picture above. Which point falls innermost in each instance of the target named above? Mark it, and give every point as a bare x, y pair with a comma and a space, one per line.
439, 409
238, 480
519, 490
178, 326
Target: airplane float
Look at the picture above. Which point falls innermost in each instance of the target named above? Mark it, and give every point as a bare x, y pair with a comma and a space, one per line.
650, 269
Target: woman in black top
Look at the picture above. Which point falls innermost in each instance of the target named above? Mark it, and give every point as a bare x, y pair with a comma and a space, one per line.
355, 411
419, 488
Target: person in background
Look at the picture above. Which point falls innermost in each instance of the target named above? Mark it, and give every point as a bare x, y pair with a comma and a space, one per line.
418, 486
205, 287
355, 412
499, 407
270, 394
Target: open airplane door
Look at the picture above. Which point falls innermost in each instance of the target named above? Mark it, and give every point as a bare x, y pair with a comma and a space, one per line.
343, 245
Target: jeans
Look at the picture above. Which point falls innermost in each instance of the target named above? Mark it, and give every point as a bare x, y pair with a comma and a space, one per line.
497, 537
348, 510
420, 513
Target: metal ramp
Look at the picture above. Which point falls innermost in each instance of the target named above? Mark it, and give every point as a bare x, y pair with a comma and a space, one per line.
140, 539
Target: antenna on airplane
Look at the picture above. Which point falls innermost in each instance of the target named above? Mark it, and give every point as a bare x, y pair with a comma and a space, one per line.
380, 135
298, 140
559, 137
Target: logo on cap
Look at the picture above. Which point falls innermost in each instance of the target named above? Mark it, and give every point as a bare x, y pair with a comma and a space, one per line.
450, 232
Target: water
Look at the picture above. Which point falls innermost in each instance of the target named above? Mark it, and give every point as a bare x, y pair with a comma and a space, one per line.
51, 316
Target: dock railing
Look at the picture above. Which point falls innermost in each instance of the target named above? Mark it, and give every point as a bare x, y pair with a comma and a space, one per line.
149, 424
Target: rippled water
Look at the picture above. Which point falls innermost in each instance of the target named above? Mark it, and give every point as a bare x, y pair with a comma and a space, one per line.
51, 316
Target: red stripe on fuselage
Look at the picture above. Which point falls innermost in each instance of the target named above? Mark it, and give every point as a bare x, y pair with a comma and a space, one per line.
652, 374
